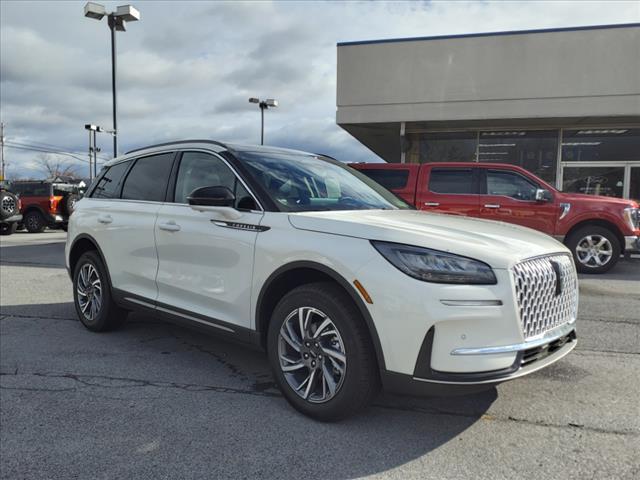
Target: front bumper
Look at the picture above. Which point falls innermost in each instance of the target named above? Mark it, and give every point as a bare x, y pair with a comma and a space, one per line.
533, 357
632, 243
14, 218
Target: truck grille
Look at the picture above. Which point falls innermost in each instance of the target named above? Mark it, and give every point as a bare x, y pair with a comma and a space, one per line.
546, 293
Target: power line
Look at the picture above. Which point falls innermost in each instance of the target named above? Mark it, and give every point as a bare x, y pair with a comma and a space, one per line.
33, 149
48, 150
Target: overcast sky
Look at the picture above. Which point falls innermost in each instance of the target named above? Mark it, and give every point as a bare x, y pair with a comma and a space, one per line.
187, 69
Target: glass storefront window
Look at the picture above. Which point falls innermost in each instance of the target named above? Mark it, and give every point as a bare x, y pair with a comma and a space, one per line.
441, 147
607, 181
601, 145
634, 192
533, 150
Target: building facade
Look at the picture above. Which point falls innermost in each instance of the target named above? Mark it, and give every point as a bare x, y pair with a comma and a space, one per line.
563, 103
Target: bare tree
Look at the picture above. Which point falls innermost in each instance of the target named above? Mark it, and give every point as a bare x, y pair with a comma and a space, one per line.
53, 166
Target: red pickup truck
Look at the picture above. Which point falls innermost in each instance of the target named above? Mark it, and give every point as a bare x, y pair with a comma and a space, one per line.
596, 229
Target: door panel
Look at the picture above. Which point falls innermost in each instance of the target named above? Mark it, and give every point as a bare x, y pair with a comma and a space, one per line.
510, 198
452, 190
204, 266
125, 232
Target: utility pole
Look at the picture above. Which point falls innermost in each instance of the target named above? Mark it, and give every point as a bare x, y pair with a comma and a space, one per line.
2, 150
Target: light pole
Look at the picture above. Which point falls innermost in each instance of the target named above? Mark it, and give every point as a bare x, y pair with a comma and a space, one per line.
93, 147
116, 21
264, 105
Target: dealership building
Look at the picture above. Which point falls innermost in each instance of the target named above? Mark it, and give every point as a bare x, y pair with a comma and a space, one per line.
562, 103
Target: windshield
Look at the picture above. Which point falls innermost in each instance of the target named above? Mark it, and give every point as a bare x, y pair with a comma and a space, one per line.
304, 183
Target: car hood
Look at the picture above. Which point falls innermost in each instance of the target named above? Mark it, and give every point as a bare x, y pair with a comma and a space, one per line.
597, 199
498, 244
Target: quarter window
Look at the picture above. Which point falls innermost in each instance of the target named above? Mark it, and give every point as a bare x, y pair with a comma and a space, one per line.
148, 178
510, 184
452, 180
109, 184
199, 169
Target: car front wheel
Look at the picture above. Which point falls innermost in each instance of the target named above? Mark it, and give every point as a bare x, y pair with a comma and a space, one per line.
595, 249
321, 353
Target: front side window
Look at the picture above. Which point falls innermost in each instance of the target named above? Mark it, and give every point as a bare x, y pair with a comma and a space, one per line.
109, 184
298, 182
510, 184
148, 178
198, 169
390, 179
457, 181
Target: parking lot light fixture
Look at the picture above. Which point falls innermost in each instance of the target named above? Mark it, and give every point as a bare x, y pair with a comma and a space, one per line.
264, 105
116, 22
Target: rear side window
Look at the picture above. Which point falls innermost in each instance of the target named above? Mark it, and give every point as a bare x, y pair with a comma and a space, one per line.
148, 178
32, 189
109, 184
452, 180
389, 179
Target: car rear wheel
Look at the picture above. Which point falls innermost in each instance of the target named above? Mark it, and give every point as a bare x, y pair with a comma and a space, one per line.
92, 295
321, 353
34, 222
595, 249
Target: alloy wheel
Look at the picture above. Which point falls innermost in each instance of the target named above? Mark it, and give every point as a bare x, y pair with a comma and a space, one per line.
89, 289
594, 251
311, 354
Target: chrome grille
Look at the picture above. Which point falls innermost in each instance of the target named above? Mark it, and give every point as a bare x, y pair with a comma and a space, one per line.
543, 305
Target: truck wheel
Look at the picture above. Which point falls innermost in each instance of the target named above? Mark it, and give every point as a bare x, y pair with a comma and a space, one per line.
69, 204
8, 228
321, 353
92, 295
34, 221
8, 205
595, 249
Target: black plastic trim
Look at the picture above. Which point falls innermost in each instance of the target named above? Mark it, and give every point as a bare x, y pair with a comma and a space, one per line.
256, 187
342, 282
239, 334
178, 142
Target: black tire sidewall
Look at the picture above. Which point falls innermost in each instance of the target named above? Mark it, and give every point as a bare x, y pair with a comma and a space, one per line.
105, 320
8, 228
41, 225
361, 374
579, 234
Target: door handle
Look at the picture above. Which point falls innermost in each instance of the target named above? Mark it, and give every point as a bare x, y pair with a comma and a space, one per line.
169, 226
491, 205
105, 219
431, 204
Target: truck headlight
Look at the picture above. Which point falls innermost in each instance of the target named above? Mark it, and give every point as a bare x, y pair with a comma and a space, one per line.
632, 217
435, 266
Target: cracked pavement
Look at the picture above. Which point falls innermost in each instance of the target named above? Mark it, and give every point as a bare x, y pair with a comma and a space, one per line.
155, 400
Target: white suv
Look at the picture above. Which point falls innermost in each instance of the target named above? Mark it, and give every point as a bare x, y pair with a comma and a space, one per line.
342, 283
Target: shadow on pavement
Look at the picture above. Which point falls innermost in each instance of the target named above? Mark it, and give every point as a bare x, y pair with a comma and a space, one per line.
190, 389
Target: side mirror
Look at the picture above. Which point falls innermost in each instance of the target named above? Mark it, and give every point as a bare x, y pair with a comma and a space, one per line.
543, 195
215, 196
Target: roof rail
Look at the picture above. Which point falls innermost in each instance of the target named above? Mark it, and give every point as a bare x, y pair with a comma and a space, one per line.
174, 143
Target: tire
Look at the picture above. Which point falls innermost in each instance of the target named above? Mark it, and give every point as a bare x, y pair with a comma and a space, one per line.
595, 249
355, 381
69, 204
8, 228
34, 222
8, 205
104, 315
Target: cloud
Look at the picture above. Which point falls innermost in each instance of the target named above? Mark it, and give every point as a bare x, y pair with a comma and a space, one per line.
187, 69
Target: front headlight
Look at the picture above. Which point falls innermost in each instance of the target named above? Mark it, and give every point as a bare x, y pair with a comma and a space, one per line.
632, 216
435, 266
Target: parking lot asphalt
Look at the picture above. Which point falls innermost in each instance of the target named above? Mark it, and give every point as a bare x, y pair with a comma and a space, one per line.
154, 400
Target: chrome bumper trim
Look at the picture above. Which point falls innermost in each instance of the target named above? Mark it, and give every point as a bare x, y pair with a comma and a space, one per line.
632, 243
547, 337
471, 303
534, 367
